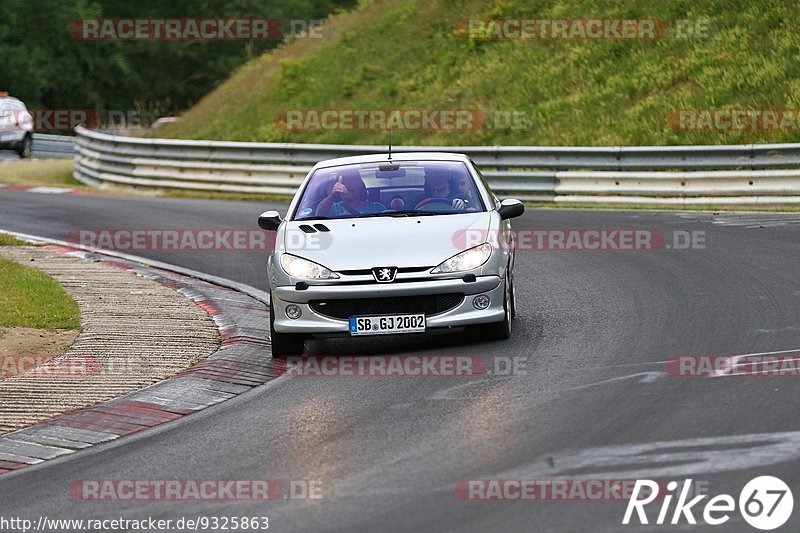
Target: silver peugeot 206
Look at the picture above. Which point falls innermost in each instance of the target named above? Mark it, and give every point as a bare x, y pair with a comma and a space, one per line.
391, 244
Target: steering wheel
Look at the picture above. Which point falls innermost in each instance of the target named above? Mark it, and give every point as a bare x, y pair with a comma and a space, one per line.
429, 201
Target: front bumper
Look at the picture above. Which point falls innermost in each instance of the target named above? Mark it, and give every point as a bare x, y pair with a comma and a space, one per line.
313, 323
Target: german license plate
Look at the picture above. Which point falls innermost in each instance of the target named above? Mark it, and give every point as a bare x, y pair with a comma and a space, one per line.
386, 324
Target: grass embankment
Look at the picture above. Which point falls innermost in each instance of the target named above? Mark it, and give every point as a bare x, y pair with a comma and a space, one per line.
49, 172
410, 54
10, 240
407, 54
58, 173
32, 299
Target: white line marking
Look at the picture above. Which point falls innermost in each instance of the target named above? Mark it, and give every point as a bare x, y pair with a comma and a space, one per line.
647, 377
665, 459
50, 190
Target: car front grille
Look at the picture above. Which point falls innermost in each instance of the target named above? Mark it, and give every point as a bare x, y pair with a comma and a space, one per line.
428, 304
368, 272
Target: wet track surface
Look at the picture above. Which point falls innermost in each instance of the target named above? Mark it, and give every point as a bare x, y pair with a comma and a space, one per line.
594, 328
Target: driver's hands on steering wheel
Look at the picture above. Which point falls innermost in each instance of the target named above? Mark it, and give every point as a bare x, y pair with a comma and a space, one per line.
457, 204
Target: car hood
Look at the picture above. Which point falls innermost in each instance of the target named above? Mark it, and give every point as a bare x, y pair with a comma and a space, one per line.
361, 243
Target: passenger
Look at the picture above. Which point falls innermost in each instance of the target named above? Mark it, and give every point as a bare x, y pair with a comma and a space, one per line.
437, 189
348, 196
465, 191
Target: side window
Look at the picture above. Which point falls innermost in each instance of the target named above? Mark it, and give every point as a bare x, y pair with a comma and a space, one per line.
13, 109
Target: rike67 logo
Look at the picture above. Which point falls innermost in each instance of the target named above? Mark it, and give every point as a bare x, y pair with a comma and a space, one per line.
765, 503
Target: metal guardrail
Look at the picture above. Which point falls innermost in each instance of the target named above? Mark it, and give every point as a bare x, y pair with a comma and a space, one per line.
46, 146
742, 174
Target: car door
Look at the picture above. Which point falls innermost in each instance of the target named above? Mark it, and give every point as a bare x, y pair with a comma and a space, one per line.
21, 120
6, 119
10, 116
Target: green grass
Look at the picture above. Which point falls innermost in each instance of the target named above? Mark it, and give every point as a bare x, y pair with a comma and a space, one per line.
407, 54
29, 298
10, 240
50, 172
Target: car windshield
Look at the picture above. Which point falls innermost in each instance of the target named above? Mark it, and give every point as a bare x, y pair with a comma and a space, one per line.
392, 189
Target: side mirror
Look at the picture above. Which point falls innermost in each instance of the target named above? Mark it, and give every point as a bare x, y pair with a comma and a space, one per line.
269, 220
510, 208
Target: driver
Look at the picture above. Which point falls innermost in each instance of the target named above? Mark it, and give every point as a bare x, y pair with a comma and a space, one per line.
348, 196
437, 189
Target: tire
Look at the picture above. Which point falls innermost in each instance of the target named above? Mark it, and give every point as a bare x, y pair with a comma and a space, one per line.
499, 331
25, 147
284, 344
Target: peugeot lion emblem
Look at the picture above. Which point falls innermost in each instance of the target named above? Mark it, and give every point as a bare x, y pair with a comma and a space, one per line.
384, 274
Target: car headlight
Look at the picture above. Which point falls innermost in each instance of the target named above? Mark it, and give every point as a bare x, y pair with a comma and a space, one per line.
297, 267
466, 260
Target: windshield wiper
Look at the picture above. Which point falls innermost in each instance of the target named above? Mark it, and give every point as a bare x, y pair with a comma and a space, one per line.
313, 218
406, 213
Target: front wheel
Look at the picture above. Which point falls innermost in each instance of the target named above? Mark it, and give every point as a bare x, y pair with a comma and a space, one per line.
498, 331
25, 147
284, 344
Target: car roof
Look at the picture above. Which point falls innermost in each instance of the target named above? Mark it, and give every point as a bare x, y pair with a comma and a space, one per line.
396, 156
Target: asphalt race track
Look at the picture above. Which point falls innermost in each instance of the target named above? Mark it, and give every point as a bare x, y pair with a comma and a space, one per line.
594, 328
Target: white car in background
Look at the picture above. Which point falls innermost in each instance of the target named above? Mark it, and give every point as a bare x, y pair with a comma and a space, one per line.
16, 126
